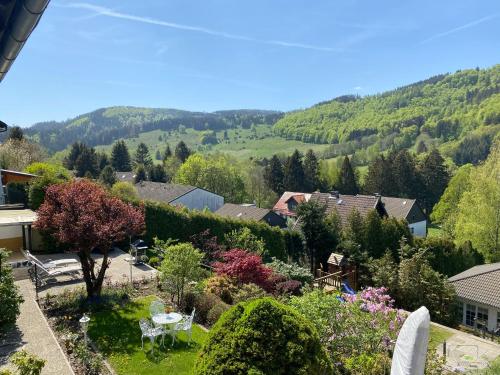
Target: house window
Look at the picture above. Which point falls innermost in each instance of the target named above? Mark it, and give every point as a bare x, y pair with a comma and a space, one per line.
412, 230
460, 311
470, 315
482, 318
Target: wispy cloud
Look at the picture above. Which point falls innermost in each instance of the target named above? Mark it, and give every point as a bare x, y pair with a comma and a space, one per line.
102, 11
460, 28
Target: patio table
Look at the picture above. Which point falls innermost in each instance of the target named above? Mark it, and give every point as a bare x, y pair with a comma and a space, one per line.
170, 320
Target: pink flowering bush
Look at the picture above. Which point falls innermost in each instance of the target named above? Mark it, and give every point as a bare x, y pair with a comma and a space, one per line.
354, 327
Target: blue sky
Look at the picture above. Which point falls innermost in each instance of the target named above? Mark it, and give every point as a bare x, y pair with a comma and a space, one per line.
227, 54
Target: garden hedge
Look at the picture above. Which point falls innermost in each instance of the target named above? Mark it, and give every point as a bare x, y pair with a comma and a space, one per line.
165, 221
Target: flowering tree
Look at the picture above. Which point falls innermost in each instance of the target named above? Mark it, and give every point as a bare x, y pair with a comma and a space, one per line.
82, 215
244, 266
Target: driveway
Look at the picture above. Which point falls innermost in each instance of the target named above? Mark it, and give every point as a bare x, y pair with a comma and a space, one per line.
466, 351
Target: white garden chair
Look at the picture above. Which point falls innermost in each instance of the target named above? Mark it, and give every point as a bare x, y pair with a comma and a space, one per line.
149, 332
186, 325
156, 307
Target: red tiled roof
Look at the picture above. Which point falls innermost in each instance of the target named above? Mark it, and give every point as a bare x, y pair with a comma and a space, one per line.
281, 207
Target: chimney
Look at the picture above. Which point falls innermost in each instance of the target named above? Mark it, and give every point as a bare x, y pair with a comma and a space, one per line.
334, 194
377, 195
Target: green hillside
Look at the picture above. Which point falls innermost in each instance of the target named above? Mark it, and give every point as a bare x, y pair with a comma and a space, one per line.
106, 125
445, 107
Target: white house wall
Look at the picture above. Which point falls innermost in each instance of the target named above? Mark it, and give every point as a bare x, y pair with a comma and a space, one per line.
198, 199
419, 229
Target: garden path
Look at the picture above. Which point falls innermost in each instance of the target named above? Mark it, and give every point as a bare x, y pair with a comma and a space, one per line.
32, 333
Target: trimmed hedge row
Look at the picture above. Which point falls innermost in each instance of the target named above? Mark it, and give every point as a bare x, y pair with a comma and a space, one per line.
164, 221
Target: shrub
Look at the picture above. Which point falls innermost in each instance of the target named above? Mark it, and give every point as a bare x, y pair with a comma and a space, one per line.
216, 311
247, 292
262, 337
9, 292
27, 363
243, 238
92, 362
244, 267
292, 271
288, 288
16, 193
221, 286
204, 303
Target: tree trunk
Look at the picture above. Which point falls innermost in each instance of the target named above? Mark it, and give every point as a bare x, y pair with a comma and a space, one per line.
93, 284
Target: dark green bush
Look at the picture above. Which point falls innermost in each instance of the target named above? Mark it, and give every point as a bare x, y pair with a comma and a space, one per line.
215, 312
263, 337
164, 221
204, 302
17, 193
10, 297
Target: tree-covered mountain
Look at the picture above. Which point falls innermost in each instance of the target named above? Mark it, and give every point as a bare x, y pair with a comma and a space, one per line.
446, 107
105, 125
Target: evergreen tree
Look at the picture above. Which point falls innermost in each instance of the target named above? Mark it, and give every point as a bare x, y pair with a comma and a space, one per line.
167, 153
435, 177
379, 178
142, 156
182, 151
274, 175
140, 174
311, 174
373, 235
158, 155
347, 178
355, 230
120, 157
86, 165
157, 173
294, 172
102, 160
108, 176
405, 175
75, 151
421, 147
16, 133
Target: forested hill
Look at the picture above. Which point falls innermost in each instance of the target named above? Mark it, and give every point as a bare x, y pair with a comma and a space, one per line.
445, 106
105, 125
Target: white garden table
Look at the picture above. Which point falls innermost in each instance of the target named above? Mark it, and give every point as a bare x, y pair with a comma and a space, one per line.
170, 320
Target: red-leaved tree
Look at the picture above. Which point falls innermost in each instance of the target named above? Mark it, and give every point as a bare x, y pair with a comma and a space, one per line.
84, 216
244, 266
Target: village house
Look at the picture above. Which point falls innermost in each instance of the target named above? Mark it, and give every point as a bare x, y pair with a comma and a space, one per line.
251, 212
478, 296
8, 176
409, 210
286, 206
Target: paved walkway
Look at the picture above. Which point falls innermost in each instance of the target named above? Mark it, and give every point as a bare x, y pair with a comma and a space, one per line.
467, 351
32, 333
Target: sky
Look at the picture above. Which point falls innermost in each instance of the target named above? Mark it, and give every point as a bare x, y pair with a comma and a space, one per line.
209, 55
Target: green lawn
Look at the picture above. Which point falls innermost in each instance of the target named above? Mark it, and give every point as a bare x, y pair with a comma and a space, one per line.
437, 336
434, 231
118, 336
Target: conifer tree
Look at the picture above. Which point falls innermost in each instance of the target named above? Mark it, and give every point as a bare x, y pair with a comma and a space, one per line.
102, 160
294, 172
86, 164
379, 179
167, 153
140, 174
120, 157
108, 176
405, 175
74, 153
310, 171
142, 156
157, 173
274, 175
347, 179
158, 155
182, 152
435, 177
